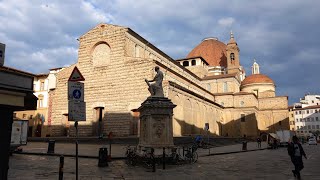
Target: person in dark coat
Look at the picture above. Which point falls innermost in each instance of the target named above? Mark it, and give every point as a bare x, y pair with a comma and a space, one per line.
259, 142
296, 152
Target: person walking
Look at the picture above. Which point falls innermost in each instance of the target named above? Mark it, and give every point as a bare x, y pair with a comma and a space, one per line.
296, 152
259, 142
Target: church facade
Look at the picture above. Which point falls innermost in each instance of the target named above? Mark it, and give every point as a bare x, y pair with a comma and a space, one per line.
209, 87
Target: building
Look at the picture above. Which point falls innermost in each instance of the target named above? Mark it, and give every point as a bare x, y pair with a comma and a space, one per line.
307, 120
15, 94
38, 119
208, 86
291, 118
308, 100
307, 115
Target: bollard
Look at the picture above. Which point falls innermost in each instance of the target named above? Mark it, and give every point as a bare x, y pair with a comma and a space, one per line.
103, 157
61, 168
244, 145
51, 144
163, 159
153, 160
183, 151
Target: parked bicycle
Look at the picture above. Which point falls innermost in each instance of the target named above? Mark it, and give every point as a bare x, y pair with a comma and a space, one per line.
191, 154
148, 159
131, 156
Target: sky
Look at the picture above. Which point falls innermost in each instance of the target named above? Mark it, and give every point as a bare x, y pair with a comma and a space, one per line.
281, 35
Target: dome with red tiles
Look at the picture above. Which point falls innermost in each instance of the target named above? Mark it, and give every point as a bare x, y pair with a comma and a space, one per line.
212, 50
257, 78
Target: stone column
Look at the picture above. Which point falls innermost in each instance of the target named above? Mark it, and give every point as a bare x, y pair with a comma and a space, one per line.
156, 122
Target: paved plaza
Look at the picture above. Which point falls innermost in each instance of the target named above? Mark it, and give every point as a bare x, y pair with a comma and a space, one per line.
262, 164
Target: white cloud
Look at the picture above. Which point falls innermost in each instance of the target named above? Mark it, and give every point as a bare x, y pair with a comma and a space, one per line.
226, 22
282, 36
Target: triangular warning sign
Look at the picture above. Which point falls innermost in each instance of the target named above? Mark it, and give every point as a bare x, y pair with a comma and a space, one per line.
76, 75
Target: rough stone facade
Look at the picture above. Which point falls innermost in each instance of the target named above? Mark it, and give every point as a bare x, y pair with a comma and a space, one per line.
115, 60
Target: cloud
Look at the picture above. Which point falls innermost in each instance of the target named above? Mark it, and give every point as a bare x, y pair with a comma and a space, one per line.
40, 32
226, 21
282, 37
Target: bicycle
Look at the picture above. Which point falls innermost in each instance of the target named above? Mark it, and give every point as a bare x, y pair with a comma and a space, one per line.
148, 158
191, 153
131, 155
174, 157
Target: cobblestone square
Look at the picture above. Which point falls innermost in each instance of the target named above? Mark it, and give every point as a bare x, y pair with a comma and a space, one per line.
264, 164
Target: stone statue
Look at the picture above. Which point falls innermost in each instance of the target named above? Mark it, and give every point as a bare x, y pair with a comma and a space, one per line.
156, 89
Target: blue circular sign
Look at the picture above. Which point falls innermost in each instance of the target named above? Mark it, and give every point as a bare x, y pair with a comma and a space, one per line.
76, 94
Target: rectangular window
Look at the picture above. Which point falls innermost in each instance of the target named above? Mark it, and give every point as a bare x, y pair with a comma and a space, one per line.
312, 119
308, 119
300, 119
316, 111
42, 86
313, 126
243, 118
291, 115
296, 112
297, 127
297, 120
317, 126
299, 112
309, 127
24, 116
317, 119
30, 117
307, 111
225, 87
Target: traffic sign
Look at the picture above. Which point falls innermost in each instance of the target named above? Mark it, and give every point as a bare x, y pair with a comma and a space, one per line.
75, 91
76, 111
76, 75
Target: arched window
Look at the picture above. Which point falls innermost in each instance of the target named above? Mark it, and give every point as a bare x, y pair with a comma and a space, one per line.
208, 87
193, 62
101, 54
40, 101
185, 63
232, 56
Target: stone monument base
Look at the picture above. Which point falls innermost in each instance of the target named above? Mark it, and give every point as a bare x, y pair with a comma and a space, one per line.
156, 123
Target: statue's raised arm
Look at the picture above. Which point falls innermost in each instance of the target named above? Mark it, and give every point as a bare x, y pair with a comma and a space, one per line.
155, 88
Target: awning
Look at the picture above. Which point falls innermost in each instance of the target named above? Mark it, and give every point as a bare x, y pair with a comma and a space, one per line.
30, 102
274, 135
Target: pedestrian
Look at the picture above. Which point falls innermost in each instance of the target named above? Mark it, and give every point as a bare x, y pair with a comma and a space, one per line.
296, 152
275, 143
259, 142
199, 140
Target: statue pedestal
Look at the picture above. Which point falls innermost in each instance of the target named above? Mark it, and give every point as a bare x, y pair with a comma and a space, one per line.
156, 122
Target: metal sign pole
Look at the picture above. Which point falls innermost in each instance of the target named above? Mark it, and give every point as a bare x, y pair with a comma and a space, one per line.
77, 167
